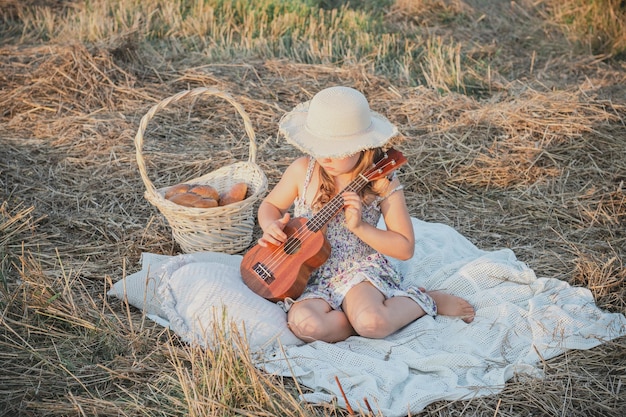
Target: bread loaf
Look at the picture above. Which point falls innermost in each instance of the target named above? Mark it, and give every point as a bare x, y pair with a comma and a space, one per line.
185, 199
206, 202
205, 196
236, 193
205, 191
176, 189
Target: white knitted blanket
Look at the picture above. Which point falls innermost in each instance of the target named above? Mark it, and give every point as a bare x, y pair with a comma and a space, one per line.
520, 320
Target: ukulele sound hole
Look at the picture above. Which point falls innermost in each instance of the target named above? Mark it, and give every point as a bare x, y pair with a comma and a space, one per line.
292, 246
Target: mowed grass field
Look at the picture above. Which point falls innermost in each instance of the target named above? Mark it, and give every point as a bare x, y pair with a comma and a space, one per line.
513, 117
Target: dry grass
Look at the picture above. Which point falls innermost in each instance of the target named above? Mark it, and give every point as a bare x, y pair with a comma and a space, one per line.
514, 144
597, 26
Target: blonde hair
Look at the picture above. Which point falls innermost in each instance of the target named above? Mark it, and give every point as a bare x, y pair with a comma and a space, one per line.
372, 189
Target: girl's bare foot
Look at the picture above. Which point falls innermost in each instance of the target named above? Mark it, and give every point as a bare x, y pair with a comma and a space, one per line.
451, 305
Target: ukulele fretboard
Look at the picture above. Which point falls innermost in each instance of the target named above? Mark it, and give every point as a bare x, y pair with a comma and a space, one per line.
331, 208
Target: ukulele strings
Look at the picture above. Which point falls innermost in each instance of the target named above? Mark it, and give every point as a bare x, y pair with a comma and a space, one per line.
335, 204
282, 252
301, 234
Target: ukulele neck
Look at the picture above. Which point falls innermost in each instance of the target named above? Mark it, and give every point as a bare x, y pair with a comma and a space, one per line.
329, 210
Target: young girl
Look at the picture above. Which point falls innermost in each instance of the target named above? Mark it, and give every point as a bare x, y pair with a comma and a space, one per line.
356, 291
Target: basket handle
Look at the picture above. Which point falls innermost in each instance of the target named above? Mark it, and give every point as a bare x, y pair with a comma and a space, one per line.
178, 97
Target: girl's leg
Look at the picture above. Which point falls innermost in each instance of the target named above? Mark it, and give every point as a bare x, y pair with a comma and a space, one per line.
373, 316
313, 319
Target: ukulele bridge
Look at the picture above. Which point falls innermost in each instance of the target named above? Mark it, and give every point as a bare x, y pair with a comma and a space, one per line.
263, 273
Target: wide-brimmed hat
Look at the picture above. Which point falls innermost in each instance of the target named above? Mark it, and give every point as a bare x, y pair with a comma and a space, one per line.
336, 123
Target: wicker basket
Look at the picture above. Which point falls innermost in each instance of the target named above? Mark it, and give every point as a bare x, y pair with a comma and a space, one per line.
226, 228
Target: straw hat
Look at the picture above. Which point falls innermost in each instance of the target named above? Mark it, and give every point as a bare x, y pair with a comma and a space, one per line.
336, 123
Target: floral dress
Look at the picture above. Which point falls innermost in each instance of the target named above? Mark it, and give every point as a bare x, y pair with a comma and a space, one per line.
352, 261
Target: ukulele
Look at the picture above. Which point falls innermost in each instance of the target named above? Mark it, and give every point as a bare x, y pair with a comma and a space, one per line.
277, 272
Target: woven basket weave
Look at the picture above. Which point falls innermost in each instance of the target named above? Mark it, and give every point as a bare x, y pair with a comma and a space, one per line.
226, 228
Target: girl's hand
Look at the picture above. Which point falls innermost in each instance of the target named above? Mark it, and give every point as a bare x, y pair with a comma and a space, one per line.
353, 208
273, 232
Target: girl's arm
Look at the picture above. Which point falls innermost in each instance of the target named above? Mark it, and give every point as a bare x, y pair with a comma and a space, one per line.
398, 241
272, 214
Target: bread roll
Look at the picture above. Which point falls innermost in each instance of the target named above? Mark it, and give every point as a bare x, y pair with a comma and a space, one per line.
176, 189
185, 199
206, 202
205, 191
236, 193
